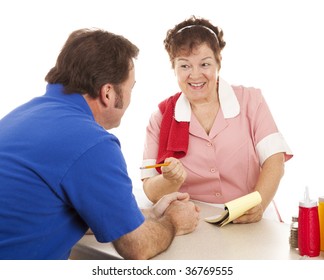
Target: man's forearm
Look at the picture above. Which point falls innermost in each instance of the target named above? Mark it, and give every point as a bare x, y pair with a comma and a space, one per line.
148, 240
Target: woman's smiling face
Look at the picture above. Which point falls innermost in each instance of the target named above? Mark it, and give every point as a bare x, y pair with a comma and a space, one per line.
197, 74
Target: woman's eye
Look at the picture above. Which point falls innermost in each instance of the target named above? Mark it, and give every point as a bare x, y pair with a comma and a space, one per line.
185, 66
205, 64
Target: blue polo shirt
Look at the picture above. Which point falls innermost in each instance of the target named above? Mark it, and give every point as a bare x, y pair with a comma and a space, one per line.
60, 173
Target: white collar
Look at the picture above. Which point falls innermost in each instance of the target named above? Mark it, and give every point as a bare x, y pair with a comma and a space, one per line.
227, 98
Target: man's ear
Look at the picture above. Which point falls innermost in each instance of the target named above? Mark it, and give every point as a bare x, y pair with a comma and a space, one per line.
106, 93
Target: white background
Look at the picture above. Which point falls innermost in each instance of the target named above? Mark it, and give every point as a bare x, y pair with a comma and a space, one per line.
273, 45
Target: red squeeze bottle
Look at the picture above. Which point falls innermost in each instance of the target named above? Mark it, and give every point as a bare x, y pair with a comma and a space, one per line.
308, 227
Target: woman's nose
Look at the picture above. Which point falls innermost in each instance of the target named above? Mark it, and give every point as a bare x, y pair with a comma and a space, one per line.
195, 73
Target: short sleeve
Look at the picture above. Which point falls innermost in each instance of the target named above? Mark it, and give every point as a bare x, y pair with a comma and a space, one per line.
273, 144
100, 190
268, 140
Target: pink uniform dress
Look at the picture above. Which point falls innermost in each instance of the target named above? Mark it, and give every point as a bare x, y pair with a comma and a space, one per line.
226, 163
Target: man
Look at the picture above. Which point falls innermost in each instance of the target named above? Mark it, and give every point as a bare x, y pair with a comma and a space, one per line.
61, 172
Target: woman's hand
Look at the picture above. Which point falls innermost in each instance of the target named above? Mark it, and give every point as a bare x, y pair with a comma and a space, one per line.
251, 216
174, 171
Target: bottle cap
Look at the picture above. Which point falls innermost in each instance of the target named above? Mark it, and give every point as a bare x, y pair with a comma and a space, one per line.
321, 199
307, 202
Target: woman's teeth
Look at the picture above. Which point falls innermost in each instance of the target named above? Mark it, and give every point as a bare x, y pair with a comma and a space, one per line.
196, 84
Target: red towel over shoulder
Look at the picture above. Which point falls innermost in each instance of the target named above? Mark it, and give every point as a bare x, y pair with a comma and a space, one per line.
174, 135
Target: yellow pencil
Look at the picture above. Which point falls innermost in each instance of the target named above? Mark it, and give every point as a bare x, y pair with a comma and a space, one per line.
155, 165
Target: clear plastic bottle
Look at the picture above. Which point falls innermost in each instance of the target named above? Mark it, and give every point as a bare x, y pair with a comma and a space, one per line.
308, 227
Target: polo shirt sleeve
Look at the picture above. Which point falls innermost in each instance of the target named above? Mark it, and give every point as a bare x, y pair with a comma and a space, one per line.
151, 145
99, 189
268, 140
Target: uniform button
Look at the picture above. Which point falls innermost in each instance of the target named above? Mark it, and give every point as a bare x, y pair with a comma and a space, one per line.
218, 194
209, 144
212, 170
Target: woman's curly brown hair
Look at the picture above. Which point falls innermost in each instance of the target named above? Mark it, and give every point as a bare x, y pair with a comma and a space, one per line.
181, 40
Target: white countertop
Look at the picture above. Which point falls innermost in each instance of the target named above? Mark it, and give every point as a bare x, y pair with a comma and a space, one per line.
265, 240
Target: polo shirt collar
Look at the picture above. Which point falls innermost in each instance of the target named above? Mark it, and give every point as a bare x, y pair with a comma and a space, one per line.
76, 99
227, 98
